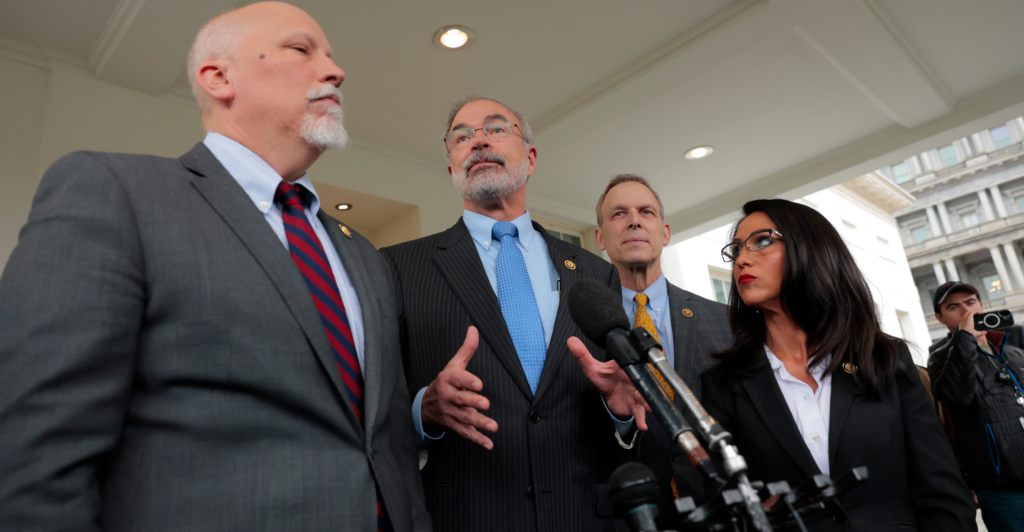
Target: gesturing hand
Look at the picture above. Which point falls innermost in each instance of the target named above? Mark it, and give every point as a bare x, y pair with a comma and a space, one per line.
618, 391
450, 400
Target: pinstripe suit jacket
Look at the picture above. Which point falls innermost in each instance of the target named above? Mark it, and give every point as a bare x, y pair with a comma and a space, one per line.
694, 339
553, 451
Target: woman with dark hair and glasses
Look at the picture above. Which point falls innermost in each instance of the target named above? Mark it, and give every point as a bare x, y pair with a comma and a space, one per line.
812, 385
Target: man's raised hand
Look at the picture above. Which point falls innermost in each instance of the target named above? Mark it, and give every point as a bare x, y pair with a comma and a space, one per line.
618, 391
451, 400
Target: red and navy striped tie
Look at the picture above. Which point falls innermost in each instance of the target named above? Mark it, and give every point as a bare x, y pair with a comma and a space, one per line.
309, 256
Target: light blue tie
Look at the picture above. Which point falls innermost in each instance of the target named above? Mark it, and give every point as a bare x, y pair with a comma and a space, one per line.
518, 305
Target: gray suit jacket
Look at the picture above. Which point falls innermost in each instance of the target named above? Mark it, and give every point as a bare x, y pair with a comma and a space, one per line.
694, 338
163, 366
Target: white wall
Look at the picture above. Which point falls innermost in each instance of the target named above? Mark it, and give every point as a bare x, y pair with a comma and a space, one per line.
884, 265
47, 112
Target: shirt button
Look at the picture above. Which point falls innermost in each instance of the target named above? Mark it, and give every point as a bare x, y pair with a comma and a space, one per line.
815, 437
487, 243
264, 205
526, 245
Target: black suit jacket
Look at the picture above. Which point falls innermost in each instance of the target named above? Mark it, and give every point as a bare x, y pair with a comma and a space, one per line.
694, 338
914, 483
163, 365
553, 451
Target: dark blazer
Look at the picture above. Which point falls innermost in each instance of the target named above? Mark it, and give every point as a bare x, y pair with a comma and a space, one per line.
914, 483
163, 366
694, 338
553, 451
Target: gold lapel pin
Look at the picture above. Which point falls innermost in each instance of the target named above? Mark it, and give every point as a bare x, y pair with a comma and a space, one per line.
688, 313
345, 231
849, 367
570, 264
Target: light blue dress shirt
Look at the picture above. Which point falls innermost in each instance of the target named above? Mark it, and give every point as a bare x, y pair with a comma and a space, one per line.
260, 181
543, 277
657, 307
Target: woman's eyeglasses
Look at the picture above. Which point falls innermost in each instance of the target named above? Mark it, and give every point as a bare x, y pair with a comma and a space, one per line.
757, 241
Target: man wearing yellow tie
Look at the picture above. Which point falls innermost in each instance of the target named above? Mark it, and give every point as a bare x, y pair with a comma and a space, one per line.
632, 230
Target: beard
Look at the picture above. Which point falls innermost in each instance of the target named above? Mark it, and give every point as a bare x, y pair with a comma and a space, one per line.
325, 130
490, 182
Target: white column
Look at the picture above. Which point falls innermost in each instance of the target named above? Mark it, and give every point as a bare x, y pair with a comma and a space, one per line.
933, 222
986, 206
1004, 276
997, 198
1011, 257
944, 216
939, 274
954, 275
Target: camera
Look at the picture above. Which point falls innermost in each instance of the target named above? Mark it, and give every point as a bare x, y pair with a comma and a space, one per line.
1004, 377
996, 319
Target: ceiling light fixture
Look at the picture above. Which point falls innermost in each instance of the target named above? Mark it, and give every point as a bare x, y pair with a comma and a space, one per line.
343, 206
453, 37
699, 152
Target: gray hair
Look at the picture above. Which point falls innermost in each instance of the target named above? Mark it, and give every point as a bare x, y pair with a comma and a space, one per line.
524, 128
628, 178
216, 40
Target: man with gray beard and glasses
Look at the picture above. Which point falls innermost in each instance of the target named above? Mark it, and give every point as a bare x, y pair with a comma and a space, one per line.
517, 438
192, 343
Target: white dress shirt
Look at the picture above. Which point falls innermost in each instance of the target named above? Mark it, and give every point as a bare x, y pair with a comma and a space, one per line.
810, 409
259, 181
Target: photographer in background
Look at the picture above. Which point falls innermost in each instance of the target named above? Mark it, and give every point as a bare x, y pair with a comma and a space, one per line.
977, 375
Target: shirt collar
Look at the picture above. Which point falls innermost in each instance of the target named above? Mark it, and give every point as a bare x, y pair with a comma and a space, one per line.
657, 296
480, 226
256, 177
778, 366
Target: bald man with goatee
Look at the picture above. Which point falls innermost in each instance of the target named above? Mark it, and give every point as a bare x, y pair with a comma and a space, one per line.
192, 344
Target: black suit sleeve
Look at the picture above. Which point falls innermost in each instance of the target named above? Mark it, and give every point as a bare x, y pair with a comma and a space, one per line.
942, 501
952, 368
72, 301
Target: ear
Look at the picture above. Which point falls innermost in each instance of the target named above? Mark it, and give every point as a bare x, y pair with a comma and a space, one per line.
599, 238
531, 154
214, 79
667, 233
938, 317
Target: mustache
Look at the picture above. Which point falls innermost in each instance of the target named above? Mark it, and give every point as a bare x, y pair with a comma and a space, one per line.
324, 91
483, 157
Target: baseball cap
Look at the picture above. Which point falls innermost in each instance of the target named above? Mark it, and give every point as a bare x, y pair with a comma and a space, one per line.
948, 288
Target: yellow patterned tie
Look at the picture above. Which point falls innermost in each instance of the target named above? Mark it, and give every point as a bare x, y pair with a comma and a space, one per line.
643, 319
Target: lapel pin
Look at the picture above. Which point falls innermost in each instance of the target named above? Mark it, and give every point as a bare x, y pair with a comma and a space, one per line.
849, 367
570, 264
688, 313
345, 231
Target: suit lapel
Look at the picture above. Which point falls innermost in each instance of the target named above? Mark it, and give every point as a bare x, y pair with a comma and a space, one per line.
684, 336
352, 260
771, 406
564, 325
459, 263
227, 198
838, 411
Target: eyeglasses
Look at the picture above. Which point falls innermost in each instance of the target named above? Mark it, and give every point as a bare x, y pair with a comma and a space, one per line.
495, 131
757, 241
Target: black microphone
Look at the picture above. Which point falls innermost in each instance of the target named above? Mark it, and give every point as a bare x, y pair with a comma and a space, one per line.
633, 490
598, 312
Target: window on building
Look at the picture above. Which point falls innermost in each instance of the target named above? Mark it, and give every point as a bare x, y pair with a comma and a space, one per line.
568, 237
1001, 137
948, 155
900, 174
1020, 203
721, 284
993, 286
920, 234
970, 219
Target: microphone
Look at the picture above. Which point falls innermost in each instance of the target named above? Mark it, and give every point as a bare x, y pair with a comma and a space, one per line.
598, 312
633, 490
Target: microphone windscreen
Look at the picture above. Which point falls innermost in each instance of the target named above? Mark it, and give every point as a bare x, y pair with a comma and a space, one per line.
596, 309
632, 484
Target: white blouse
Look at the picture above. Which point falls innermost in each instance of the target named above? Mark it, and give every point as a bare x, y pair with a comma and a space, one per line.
810, 409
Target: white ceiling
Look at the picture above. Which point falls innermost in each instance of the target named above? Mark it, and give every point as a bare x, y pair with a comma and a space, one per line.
791, 93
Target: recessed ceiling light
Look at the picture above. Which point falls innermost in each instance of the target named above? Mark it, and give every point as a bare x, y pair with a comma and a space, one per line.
343, 206
453, 37
699, 152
